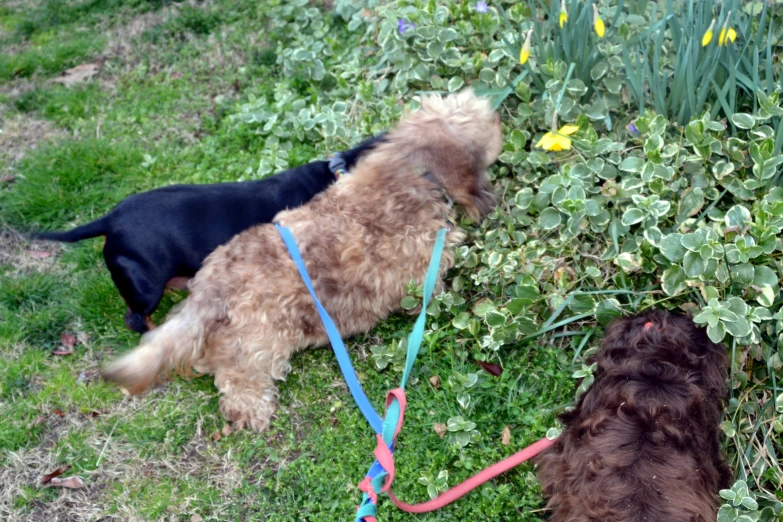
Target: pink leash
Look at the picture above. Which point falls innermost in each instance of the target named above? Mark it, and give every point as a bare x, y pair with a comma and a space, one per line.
386, 458
475, 481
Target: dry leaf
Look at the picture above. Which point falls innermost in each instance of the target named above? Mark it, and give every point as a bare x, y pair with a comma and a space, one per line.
196, 518
440, 429
56, 473
491, 368
37, 421
690, 308
68, 339
505, 436
8, 178
58, 412
39, 254
62, 352
78, 74
73, 482
227, 430
435, 381
176, 76
216, 436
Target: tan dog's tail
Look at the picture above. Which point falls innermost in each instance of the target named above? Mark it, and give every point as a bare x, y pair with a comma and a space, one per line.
176, 344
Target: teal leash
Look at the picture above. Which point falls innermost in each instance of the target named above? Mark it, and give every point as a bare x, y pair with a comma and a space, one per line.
387, 430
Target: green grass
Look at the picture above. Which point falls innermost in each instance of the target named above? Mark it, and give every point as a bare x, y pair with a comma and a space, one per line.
58, 14
64, 107
49, 58
154, 457
79, 171
53, 35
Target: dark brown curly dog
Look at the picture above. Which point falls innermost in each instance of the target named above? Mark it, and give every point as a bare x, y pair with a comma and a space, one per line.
642, 443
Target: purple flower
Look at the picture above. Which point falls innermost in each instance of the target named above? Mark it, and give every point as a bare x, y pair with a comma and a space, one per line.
403, 26
481, 7
632, 129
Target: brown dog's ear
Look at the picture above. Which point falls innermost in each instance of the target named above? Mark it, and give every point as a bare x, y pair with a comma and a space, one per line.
711, 359
715, 368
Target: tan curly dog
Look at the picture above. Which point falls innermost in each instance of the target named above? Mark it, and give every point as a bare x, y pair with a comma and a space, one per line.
362, 241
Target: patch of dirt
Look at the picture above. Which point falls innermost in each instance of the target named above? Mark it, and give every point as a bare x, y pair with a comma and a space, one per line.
21, 134
120, 38
24, 468
120, 472
15, 48
28, 255
27, 4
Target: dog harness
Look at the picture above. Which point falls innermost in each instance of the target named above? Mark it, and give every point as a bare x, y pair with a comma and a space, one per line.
337, 165
380, 476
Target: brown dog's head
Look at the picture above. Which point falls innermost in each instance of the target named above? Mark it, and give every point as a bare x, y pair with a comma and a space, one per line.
658, 339
455, 138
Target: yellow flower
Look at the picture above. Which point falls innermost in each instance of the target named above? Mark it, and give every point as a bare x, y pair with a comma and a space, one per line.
707, 38
731, 36
726, 33
524, 54
557, 140
600, 29
563, 14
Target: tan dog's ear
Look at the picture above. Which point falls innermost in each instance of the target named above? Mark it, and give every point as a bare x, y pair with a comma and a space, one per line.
455, 138
459, 168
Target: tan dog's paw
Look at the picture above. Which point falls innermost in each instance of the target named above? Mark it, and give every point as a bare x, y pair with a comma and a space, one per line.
243, 417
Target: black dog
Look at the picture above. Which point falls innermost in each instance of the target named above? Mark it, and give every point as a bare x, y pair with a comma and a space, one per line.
160, 238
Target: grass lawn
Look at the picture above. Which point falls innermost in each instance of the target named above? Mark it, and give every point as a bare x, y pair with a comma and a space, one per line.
667, 192
160, 112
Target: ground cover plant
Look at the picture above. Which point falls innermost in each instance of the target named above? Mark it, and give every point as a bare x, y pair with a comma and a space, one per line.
641, 169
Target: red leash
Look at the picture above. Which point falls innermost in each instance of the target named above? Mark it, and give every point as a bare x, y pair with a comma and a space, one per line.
475, 481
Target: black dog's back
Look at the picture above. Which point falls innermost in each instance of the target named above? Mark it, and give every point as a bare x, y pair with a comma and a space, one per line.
206, 216
166, 233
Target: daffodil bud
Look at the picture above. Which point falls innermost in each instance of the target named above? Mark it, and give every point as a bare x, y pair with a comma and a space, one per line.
563, 14
524, 54
598, 23
707, 38
726, 33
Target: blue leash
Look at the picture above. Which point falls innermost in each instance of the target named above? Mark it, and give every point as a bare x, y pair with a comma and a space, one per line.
386, 429
340, 352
